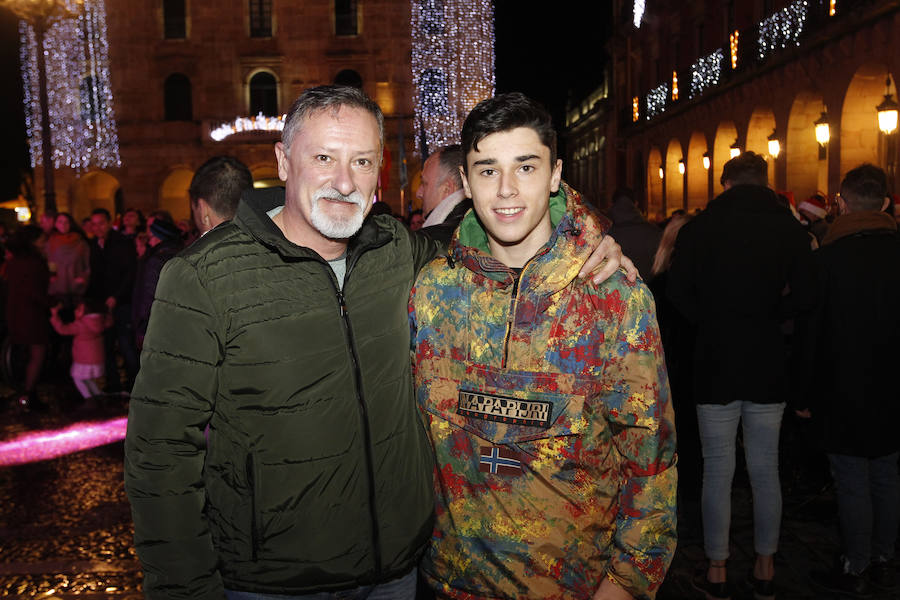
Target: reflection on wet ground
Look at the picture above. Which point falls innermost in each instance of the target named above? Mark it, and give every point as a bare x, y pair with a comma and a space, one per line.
66, 531
65, 524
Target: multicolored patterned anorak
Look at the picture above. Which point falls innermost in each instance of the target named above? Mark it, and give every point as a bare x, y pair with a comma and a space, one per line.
550, 417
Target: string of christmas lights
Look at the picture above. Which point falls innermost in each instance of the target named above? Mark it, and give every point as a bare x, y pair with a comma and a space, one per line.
656, 100
639, 7
782, 28
705, 72
452, 65
79, 95
258, 123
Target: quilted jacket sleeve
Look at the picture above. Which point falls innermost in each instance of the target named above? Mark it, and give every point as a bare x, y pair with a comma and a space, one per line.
641, 419
165, 446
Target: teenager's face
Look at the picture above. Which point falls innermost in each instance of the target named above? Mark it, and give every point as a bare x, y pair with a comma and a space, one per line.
510, 181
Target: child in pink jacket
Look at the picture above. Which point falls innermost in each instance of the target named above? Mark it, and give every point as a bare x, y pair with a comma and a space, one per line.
88, 356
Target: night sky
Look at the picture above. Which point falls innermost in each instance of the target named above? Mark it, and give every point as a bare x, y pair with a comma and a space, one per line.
548, 55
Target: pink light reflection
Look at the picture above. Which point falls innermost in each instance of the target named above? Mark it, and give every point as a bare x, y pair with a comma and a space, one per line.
44, 445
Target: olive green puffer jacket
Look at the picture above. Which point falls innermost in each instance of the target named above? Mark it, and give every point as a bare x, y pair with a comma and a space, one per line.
317, 471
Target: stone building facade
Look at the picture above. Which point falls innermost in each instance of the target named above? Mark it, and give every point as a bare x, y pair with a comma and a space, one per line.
692, 82
180, 69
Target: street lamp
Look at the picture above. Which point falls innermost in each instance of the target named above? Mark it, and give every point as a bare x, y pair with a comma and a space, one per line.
887, 110
823, 131
774, 145
41, 14
681, 168
706, 160
735, 150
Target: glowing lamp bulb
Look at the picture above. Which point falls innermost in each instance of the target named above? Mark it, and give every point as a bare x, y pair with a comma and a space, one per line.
681, 166
774, 148
706, 161
734, 152
823, 131
662, 173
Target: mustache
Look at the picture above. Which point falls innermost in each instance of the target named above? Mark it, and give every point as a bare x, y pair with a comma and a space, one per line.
353, 197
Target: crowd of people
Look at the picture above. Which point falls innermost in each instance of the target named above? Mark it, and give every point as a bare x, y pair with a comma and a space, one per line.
95, 283
281, 443
768, 309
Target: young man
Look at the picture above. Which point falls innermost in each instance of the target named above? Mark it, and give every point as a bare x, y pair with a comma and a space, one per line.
546, 397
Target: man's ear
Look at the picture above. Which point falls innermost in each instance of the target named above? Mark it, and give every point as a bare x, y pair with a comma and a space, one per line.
887, 202
556, 176
465, 182
281, 159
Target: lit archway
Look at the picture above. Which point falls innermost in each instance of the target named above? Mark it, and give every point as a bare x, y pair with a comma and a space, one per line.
861, 141
265, 175
654, 184
96, 189
697, 174
726, 134
173, 193
674, 177
762, 123
806, 171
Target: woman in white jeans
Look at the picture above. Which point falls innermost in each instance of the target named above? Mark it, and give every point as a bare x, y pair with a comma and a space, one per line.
718, 424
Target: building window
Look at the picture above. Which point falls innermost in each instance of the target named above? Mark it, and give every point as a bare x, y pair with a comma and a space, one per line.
349, 77
433, 17
260, 18
264, 94
433, 86
174, 20
177, 98
93, 105
345, 18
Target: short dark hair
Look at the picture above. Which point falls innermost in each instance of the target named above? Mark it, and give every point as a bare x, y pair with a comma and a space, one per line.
220, 181
323, 97
748, 168
864, 188
450, 159
101, 211
503, 113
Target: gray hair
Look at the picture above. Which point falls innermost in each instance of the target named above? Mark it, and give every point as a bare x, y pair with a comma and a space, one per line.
326, 97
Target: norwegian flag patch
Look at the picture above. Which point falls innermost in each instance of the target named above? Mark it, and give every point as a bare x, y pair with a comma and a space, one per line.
499, 460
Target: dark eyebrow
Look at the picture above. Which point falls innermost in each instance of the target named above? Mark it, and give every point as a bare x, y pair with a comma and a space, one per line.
526, 157
485, 161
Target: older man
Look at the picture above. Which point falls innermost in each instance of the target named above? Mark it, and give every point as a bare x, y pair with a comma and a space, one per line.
285, 332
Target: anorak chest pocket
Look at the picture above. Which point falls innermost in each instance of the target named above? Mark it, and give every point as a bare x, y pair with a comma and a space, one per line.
506, 407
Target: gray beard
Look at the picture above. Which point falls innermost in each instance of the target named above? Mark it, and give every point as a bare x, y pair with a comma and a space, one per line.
337, 227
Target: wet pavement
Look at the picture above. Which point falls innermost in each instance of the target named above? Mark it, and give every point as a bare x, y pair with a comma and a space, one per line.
66, 531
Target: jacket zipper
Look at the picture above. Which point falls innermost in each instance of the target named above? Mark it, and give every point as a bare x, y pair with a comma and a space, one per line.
251, 483
512, 310
367, 434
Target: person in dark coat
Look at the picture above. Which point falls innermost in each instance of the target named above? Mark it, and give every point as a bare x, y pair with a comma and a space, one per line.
216, 189
27, 305
850, 354
164, 242
444, 201
731, 270
113, 264
638, 237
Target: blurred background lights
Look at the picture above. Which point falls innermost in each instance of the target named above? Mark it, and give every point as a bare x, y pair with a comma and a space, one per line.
78, 88
452, 66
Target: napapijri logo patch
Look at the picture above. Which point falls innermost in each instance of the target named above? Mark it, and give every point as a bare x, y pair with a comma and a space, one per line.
504, 409
499, 460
